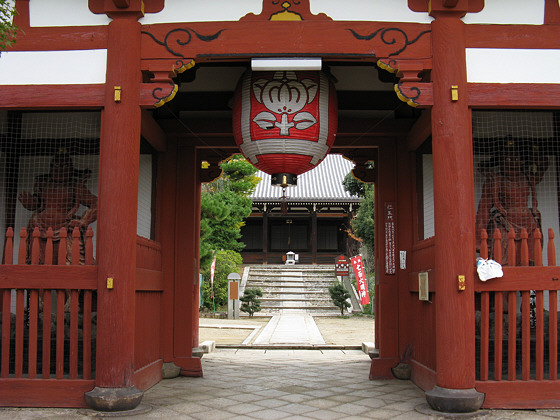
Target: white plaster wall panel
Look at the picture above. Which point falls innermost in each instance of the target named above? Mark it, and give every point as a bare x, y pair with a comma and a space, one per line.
488, 65
203, 11
369, 10
77, 13
512, 12
53, 67
63, 13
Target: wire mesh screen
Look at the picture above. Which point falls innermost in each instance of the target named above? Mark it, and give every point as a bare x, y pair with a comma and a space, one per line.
516, 174
145, 193
48, 172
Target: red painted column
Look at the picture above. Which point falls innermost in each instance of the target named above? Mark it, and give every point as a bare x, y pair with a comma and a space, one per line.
185, 322
454, 220
167, 220
116, 240
386, 278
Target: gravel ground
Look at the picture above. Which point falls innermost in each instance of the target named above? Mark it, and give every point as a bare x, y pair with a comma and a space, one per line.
335, 330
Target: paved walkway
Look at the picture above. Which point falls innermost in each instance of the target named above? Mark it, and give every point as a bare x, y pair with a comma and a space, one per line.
298, 329
283, 384
274, 384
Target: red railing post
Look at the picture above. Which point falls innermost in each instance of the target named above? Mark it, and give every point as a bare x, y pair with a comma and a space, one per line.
49, 247
89, 246
498, 334
75, 246
553, 334
22, 251
512, 333
539, 345
524, 248
60, 298
497, 245
62, 247
6, 336
74, 308
20, 315
551, 249
512, 254
9, 247
6, 303
483, 244
35, 247
86, 343
47, 307
32, 313
484, 334
525, 335
537, 246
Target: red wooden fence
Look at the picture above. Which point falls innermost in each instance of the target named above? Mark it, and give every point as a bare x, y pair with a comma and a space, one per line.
518, 344
48, 320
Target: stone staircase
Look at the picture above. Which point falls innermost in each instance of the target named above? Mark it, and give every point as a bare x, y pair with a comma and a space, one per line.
293, 288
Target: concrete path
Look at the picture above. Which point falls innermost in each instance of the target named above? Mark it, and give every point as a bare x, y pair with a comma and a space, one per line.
282, 384
290, 329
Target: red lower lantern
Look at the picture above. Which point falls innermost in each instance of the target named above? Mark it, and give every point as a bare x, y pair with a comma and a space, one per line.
285, 122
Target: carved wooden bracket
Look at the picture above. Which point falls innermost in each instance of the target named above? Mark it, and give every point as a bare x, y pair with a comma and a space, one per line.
111, 6
410, 88
365, 169
289, 10
462, 6
161, 74
210, 170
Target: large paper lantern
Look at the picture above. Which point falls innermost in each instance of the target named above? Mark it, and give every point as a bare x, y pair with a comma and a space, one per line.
285, 122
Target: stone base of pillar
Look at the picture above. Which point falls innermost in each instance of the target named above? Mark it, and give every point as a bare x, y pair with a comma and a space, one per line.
170, 370
454, 400
113, 399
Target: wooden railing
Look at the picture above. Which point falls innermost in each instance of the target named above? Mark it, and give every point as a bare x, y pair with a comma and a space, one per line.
517, 339
48, 329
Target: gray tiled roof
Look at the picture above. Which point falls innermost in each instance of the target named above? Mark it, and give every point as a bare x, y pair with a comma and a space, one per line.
323, 183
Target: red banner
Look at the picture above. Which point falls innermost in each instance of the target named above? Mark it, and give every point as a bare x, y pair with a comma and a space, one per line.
212, 270
361, 282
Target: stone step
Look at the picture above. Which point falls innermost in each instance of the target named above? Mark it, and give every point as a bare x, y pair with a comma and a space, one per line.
297, 289
306, 308
300, 293
304, 301
300, 285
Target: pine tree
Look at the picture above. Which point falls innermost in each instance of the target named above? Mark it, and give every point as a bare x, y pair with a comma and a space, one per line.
339, 295
7, 28
251, 303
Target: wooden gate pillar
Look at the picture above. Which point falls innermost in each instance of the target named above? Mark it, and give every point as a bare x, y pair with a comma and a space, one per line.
454, 219
117, 209
187, 233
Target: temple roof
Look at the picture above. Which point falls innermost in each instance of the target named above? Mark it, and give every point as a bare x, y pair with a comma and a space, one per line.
321, 184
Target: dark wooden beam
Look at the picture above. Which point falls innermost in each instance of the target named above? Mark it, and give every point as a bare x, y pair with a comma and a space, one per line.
420, 131
152, 132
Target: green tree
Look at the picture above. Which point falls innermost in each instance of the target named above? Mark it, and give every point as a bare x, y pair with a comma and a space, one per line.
363, 225
353, 185
339, 296
7, 29
224, 206
251, 303
226, 262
